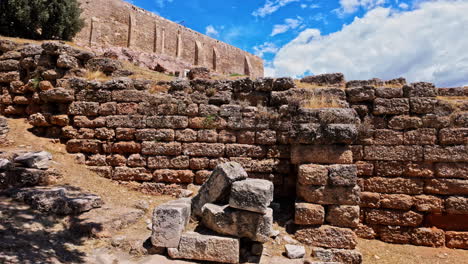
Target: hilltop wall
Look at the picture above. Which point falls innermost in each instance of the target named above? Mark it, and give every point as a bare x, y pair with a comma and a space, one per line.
117, 23
387, 161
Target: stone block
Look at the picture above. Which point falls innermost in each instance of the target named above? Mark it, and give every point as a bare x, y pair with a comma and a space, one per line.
58, 95
218, 185
393, 153
225, 136
83, 108
387, 137
420, 89
124, 147
340, 134
294, 251
452, 170
309, 214
366, 232
453, 136
35, 160
207, 135
395, 234
155, 135
393, 185
327, 236
343, 215
164, 162
82, 145
243, 150
394, 106
388, 92
8, 77
129, 95
169, 221
422, 136
428, 237
364, 168
327, 154
244, 224
203, 149
329, 194
360, 94
131, 174
312, 174
126, 121
403, 122
446, 186
457, 205
342, 175
265, 137
337, 255
253, 195
422, 105
174, 122
173, 176
370, 200
456, 239
393, 218
196, 246
337, 116
125, 133
396, 201
428, 203
157, 148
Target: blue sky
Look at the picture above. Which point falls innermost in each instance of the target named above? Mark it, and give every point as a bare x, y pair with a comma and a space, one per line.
423, 40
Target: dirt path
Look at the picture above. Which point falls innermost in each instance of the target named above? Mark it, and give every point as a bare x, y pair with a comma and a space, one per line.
28, 236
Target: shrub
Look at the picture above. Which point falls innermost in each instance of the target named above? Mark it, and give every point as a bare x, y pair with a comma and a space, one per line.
39, 19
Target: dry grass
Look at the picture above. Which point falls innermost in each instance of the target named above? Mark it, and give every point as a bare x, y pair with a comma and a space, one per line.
455, 101
39, 42
97, 76
144, 73
321, 101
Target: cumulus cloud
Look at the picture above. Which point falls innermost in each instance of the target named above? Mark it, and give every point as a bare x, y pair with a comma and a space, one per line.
289, 23
271, 6
425, 44
211, 31
403, 6
351, 6
266, 47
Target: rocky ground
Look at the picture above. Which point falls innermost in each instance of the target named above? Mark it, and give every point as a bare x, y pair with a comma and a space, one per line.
116, 232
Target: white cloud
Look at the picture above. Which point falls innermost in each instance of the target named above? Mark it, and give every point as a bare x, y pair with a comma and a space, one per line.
266, 47
351, 6
271, 6
161, 3
425, 44
303, 6
403, 6
289, 23
211, 31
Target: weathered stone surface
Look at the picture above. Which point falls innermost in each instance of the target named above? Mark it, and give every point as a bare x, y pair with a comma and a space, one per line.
342, 175
229, 221
17, 177
218, 186
446, 154
343, 215
360, 94
67, 62
169, 221
452, 136
8, 77
446, 186
394, 106
420, 89
393, 153
62, 200
457, 205
370, 200
452, 170
312, 174
332, 154
329, 79
203, 149
393, 185
309, 214
428, 237
329, 194
35, 160
456, 239
395, 234
338, 255
403, 122
157, 148
428, 203
206, 248
396, 201
173, 176
253, 195
327, 236
394, 218
294, 251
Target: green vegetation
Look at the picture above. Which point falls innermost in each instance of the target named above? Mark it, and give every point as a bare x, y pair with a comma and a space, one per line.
39, 19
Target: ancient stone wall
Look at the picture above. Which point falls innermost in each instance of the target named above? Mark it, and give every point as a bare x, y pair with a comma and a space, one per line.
388, 163
117, 23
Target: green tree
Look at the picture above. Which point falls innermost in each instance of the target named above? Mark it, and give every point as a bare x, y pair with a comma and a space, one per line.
40, 19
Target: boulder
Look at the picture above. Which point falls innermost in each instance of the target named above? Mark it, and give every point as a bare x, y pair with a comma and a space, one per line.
295, 251
218, 185
199, 73
229, 221
206, 248
35, 160
61, 200
58, 95
105, 65
253, 195
169, 221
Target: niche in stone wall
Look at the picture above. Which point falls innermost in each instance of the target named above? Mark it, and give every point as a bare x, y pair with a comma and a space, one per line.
215, 59
199, 60
247, 66
179, 44
155, 38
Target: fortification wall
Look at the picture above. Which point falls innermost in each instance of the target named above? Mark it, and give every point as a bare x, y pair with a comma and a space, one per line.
117, 23
387, 162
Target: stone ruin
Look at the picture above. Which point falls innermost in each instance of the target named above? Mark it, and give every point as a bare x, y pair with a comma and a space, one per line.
376, 159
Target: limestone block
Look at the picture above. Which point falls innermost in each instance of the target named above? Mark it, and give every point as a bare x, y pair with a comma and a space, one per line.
253, 195
446, 154
393, 153
294, 251
203, 149
386, 92
158, 148
338, 255
452, 136
395, 234
396, 201
327, 236
343, 215
83, 108
394, 218
422, 105
394, 106
218, 186
360, 94
229, 221
329, 194
312, 174
420, 89
309, 214
428, 203
9, 65
456, 239
342, 175
457, 205
126, 121
428, 237
370, 200
169, 221
452, 170
403, 122
167, 122
67, 62
446, 186
421, 136
155, 135
327, 154
243, 150
206, 248
35, 160
393, 185
340, 134
8, 77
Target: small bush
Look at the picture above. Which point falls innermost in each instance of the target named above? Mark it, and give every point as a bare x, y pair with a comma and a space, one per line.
39, 19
